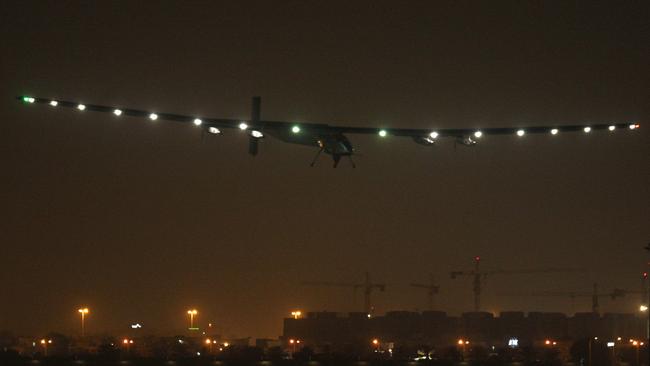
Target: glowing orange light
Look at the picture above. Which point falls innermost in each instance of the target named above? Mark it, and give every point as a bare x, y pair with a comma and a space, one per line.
292, 341
460, 341
375, 341
547, 342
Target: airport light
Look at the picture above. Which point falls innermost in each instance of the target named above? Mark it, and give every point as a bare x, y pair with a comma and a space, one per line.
214, 130
633, 126
117, 112
554, 131
197, 121
643, 308
295, 129
433, 135
296, 314
81, 107
153, 116
83, 312
611, 128
54, 103
383, 133
478, 134
29, 99
521, 133
587, 129
257, 134
192, 313
243, 126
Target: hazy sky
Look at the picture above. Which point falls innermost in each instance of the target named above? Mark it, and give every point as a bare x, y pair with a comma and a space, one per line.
140, 221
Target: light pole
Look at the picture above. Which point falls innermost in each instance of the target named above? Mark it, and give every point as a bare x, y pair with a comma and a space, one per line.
645, 275
83, 312
44, 343
192, 313
591, 339
375, 342
127, 344
636, 344
463, 343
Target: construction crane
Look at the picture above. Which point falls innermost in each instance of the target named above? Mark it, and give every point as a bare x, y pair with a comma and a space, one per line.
432, 290
480, 276
367, 286
595, 295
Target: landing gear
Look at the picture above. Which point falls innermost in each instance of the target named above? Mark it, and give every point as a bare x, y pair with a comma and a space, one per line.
336, 158
313, 162
352, 162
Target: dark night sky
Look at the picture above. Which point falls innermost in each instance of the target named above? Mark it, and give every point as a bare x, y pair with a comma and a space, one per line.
140, 220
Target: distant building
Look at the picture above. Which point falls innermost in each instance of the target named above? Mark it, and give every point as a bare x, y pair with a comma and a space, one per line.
330, 330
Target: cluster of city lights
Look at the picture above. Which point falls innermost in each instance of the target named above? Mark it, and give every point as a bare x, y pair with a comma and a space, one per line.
469, 137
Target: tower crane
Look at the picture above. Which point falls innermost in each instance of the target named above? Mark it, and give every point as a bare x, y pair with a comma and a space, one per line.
432, 290
367, 285
594, 294
480, 276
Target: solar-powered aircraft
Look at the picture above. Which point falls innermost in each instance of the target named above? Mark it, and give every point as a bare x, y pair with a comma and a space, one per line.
330, 139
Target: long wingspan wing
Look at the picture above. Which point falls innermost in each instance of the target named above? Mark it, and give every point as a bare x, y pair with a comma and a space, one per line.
427, 135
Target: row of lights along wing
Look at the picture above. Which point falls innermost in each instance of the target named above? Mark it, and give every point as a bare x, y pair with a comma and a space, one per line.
296, 129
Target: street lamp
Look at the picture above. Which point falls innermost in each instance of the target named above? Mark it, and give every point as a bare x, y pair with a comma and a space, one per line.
44, 343
292, 342
209, 343
83, 312
375, 343
636, 345
191, 313
591, 339
127, 343
463, 343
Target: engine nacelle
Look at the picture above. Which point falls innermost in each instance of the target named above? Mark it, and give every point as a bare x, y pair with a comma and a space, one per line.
424, 140
467, 141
